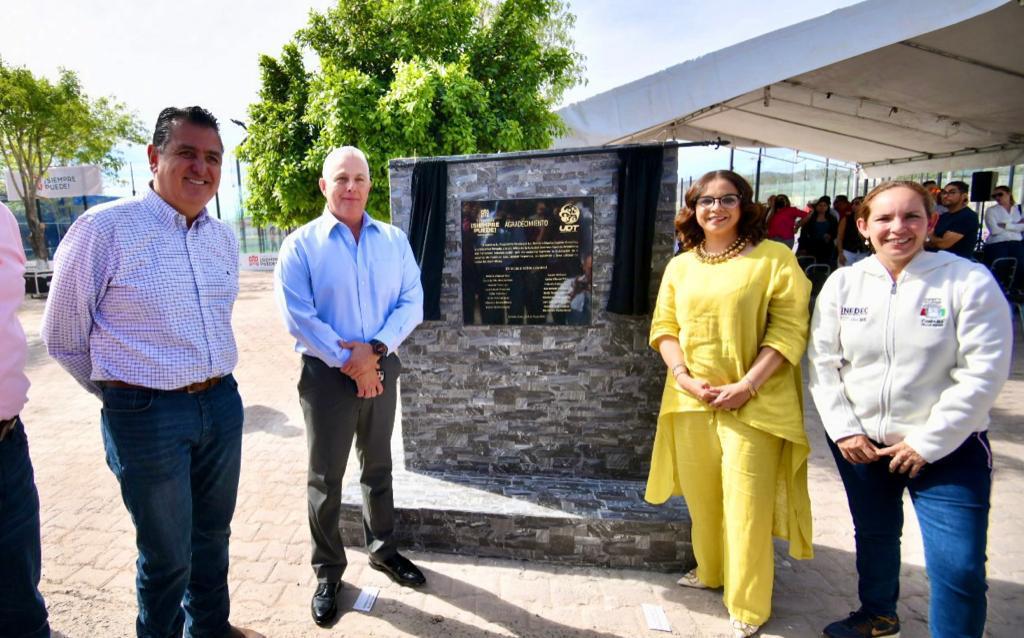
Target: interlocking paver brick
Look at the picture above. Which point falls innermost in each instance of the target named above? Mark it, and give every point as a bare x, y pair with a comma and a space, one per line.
91, 577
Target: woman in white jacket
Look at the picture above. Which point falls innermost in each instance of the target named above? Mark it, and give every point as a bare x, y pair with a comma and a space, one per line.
1005, 223
908, 351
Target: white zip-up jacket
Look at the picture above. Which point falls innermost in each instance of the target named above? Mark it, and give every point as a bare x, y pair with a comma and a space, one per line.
920, 360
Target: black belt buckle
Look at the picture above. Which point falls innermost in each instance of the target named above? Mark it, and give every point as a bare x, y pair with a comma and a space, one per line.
7, 426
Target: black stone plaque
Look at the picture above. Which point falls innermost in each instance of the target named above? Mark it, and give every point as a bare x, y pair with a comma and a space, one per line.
527, 261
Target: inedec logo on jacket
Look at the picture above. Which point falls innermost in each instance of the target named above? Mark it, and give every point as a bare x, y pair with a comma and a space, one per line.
854, 313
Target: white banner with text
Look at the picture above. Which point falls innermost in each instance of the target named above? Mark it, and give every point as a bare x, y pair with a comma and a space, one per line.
60, 181
257, 261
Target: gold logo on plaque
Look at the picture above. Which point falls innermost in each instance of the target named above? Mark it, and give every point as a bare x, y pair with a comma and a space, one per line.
569, 214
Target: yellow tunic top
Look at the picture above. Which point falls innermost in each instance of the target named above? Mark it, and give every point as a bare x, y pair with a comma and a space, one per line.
723, 314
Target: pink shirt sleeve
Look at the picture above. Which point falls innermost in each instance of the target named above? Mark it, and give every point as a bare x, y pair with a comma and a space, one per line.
13, 348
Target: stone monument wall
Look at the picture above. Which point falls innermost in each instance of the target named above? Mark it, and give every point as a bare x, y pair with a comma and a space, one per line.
577, 401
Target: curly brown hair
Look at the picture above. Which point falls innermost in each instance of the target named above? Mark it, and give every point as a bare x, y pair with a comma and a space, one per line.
752, 224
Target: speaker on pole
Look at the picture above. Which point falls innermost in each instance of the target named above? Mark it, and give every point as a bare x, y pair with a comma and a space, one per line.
982, 183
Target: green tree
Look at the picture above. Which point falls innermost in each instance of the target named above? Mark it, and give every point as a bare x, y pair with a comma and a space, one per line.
404, 78
43, 124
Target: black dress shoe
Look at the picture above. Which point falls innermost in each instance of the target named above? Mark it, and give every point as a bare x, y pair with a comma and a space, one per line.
325, 603
400, 569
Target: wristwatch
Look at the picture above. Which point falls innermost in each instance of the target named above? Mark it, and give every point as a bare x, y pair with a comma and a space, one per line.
379, 348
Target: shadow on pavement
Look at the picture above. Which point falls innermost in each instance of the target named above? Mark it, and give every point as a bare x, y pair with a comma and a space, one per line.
260, 418
816, 592
484, 604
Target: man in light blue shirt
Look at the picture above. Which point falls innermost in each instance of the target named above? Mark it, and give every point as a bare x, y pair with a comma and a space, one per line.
350, 292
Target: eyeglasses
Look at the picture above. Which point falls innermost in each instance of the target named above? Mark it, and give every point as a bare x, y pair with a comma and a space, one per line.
998, 194
727, 201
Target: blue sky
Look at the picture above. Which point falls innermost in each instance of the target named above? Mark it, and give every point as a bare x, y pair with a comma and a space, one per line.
150, 54
624, 41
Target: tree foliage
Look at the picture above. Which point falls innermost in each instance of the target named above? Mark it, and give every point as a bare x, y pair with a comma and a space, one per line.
44, 124
404, 78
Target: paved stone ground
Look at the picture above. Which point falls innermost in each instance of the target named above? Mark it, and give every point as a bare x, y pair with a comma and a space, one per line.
89, 554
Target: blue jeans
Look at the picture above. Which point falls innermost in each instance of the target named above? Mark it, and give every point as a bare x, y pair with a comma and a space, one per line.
177, 458
22, 613
951, 499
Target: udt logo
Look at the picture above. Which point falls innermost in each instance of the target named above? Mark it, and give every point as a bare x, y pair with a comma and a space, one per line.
569, 214
254, 260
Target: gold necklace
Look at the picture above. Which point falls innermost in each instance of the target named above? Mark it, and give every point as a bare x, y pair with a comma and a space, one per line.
734, 249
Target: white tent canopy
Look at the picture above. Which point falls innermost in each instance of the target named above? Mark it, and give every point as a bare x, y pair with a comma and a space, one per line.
897, 87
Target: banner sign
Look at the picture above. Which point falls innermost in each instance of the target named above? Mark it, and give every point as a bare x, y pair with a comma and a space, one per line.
60, 181
257, 261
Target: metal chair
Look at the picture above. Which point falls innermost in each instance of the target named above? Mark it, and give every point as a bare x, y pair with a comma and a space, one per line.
817, 273
804, 261
1016, 301
1004, 269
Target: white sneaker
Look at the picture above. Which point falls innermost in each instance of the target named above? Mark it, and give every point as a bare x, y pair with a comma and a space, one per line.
689, 579
741, 629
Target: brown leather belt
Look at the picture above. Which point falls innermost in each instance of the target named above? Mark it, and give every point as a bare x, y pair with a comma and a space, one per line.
6, 426
192, 388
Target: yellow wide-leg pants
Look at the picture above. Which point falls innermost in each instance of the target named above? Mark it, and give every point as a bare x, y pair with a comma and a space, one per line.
728, 472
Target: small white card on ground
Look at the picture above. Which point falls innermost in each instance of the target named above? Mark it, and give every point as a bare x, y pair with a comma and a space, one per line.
656, 618
368, 596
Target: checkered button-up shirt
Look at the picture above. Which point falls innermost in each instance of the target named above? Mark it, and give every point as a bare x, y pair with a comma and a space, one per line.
137, 296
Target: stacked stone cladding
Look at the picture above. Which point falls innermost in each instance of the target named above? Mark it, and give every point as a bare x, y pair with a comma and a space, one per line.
578, 401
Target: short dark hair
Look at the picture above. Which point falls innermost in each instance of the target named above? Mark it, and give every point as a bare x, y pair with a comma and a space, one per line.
172, 115
929, 182
960, 186
842, 198
824, 198
751, 225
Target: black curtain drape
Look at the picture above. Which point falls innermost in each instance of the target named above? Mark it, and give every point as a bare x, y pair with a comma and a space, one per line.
427, 229
639, 187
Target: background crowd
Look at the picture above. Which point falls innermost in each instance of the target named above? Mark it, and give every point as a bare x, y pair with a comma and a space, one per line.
823, 232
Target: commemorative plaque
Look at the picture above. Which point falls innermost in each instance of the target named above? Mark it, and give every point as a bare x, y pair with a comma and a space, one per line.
527, 261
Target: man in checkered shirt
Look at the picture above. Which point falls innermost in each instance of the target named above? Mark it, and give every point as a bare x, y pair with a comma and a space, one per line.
139, 313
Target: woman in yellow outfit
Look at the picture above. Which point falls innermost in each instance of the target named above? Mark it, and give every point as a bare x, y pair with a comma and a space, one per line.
731, 325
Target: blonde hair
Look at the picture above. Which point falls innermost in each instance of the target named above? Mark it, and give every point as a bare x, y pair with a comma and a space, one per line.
864, 212
926, 197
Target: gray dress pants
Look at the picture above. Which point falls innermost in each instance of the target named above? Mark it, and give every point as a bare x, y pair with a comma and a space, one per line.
334, 415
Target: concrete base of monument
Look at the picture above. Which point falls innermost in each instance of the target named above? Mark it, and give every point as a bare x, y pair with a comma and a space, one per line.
589, 522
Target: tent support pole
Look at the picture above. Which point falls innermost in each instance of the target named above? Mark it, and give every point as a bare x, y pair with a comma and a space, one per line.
757, 177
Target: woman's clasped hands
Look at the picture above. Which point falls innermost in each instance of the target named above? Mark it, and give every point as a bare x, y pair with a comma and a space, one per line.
730, 396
